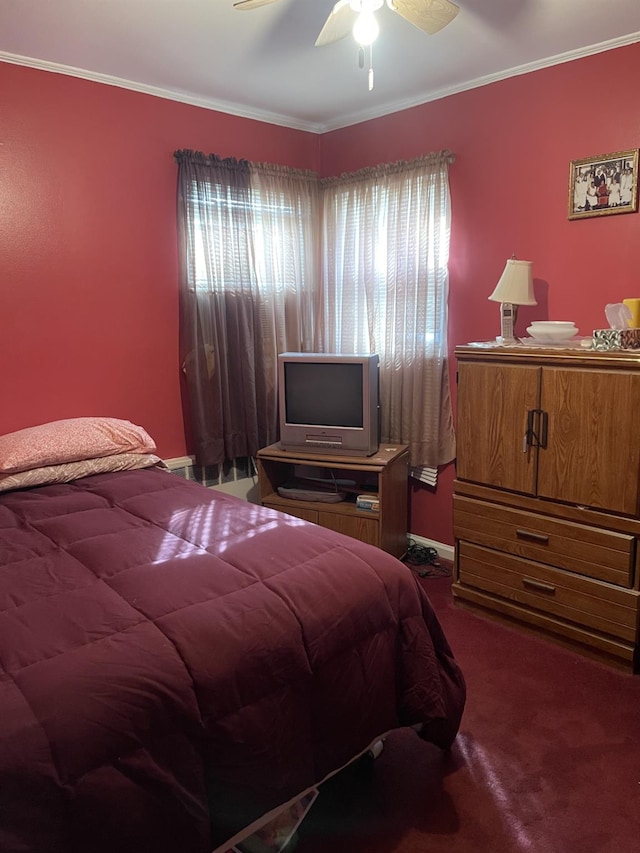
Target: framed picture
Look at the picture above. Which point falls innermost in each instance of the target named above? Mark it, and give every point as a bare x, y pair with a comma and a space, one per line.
600, 186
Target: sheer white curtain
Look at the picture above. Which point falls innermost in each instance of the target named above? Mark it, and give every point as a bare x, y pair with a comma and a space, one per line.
286, 255
385, 246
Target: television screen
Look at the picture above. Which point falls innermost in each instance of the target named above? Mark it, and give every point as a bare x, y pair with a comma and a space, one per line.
329, 402
323, 394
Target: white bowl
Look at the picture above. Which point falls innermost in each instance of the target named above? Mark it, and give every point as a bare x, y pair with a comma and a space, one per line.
552, 325
552, 332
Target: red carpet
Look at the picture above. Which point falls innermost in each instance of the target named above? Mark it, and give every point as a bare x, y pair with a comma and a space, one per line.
547, 759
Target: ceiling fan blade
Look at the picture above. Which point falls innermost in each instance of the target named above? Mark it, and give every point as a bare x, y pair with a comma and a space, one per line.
338, 25
430, 16
246, 5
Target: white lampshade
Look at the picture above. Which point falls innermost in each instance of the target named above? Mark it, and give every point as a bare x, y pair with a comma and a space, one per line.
516, 284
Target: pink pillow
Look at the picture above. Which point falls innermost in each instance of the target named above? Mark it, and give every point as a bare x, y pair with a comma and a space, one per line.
71, 440
69, 471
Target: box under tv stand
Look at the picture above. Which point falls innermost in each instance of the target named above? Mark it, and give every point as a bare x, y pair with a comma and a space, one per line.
385, 473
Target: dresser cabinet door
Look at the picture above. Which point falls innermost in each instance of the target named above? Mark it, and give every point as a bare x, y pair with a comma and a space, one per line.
493, 404
592, 457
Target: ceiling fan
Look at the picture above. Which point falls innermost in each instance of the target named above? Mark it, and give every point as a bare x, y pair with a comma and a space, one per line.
358, 17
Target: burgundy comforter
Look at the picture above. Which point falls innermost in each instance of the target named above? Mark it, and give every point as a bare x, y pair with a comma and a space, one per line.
176, 662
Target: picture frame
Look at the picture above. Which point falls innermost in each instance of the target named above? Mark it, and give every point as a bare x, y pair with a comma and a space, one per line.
604, 185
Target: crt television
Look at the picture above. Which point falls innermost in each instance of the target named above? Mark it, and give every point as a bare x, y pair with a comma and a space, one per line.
329, 402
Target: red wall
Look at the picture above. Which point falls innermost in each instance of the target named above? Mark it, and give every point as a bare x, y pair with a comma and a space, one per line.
88, 287
88, 251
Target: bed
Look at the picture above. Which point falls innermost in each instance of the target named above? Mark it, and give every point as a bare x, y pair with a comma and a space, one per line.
178, 665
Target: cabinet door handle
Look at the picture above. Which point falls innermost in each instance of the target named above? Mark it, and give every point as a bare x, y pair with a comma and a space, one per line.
539, 586
529, 434
542, 538
544, 428
537, 429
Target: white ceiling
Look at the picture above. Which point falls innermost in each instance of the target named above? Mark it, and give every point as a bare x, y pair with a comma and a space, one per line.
263, 63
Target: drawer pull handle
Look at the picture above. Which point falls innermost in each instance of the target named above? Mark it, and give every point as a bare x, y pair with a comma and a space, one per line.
539, 586
542, 538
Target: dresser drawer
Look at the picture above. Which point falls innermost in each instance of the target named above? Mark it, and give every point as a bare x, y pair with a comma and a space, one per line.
589, 551
585, 602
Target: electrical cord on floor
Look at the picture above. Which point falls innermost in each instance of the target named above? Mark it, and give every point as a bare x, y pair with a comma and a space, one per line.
424, 561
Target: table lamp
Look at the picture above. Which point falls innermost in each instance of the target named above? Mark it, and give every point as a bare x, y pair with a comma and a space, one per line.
514, 288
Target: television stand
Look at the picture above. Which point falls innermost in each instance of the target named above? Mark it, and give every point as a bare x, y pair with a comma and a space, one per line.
384, 474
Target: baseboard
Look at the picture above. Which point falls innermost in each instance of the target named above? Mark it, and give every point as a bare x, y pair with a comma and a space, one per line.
447, 552
178, 462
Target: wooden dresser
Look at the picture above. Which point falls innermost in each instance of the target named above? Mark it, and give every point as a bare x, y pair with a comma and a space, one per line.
546, 504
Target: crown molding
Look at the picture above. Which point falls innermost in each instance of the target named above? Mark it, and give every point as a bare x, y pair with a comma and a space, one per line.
318, 127
168, 94
559, 59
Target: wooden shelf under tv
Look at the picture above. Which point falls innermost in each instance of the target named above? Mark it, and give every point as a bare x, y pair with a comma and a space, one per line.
385, 474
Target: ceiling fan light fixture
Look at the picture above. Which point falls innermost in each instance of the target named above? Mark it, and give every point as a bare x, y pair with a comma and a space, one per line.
366, 29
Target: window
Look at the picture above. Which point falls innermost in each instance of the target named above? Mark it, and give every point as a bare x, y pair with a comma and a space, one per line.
275, 260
